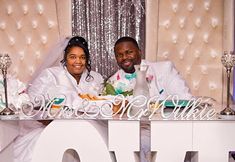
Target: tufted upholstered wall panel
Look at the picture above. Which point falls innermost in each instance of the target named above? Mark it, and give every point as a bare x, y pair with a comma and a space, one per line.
191, 34
29, 28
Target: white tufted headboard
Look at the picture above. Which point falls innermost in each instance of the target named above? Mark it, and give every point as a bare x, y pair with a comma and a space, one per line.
29, 28
191, 33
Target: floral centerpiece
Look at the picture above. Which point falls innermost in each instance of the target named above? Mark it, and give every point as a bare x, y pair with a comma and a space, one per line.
120, 85
16, 92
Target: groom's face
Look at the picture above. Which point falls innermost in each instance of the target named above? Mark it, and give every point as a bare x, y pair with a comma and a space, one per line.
127, 55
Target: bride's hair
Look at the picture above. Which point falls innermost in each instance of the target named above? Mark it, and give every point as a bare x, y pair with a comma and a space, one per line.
77, 41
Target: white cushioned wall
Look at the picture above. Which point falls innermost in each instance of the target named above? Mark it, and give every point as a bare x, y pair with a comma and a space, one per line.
28, 29
191, 34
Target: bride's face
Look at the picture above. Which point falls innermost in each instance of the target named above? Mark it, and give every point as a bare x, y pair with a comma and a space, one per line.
76, 61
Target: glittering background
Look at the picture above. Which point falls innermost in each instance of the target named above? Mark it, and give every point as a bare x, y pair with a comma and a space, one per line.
102, 22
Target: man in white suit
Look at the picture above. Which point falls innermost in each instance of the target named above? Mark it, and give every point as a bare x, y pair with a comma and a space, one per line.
163, 79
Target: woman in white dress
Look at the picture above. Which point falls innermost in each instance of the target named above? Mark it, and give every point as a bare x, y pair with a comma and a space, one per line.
73, 77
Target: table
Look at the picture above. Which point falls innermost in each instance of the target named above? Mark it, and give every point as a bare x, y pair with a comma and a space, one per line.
171, 140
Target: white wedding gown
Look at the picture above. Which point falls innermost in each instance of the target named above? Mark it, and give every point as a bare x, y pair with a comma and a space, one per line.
52, 81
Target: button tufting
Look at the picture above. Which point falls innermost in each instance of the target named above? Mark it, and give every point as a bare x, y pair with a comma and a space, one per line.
212, 86
205, 37
31, 70
198, 22
166, 24
44, 39
195, 85
190, 7
174, 38
12, 41
3, 25
190, 38
204, 69
196, 54
9, 10
188, 70
181, 54
21, 54
34, 24
175, 7
50, 24
28, 40
182, 22
207, 5
40, 9
38, 55
214, 22
213, 54
165, 54
18, 25
22, 35
25, 9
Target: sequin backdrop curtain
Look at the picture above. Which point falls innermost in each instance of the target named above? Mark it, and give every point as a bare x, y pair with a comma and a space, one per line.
102, 22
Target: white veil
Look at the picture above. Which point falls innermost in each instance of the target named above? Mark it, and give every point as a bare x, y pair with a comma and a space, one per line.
53, 57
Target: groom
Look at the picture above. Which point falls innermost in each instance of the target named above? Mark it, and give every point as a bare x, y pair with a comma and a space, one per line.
163, 78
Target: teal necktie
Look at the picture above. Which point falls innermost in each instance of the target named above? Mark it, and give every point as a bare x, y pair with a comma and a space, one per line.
130, 76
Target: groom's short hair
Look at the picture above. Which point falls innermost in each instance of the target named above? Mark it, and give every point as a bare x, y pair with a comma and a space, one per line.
127, 39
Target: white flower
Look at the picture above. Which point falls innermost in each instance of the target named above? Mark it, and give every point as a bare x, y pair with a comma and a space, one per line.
15, 91
122, 85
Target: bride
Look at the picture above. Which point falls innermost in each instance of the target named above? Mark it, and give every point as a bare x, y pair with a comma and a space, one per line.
72, 77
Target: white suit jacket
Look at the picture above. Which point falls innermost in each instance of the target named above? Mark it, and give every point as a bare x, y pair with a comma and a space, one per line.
165, 80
